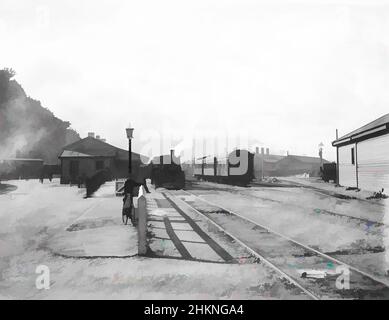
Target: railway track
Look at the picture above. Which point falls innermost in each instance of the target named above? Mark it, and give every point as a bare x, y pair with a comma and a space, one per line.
335, 194
329, 213
317, 274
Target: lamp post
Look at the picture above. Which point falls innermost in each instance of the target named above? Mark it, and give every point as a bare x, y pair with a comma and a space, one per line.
130, 132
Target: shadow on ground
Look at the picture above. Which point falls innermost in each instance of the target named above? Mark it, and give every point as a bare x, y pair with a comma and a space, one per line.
5, 188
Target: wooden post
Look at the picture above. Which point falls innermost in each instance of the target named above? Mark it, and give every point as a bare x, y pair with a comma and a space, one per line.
356, 162
142, 223
262, 163
337, 160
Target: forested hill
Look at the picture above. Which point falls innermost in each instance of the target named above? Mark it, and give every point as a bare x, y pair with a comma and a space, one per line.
28, 130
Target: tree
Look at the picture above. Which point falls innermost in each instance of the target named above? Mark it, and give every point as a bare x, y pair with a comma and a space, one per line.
6, 75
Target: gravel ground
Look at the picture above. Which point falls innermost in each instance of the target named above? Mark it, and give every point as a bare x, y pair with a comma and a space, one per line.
33, 219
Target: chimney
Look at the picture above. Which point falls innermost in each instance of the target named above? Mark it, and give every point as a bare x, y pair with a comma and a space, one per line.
267, 151
98, 137
172, 156
262, 151
91, 134
161, 160
257, 150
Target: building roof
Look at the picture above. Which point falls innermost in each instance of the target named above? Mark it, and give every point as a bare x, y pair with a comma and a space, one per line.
91, 147
73, 154
379, 124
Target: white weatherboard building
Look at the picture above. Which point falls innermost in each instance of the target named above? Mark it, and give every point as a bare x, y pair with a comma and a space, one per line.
363, 156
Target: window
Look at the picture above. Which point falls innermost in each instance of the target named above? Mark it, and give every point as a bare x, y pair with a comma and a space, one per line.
352, 156
99, 165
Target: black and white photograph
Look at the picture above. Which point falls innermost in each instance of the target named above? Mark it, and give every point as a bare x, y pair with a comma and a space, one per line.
208, 150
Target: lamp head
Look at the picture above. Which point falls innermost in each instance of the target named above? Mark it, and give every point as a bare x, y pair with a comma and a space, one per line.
130, 133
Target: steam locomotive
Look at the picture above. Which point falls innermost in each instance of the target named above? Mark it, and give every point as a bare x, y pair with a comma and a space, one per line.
166, 172
236, 169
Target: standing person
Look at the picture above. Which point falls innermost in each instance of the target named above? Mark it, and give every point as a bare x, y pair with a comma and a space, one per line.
130, 190
145, 186
131, 184
42, 176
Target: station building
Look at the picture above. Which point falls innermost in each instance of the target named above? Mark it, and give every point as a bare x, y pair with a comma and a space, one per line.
85, 157
363, 156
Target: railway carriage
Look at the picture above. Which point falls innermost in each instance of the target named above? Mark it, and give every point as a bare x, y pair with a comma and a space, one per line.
237, 168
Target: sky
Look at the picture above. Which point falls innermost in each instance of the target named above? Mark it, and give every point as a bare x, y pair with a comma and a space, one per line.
277, 74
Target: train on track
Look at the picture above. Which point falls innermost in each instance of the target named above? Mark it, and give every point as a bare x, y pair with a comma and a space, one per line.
328, 172
166, 172
236, 168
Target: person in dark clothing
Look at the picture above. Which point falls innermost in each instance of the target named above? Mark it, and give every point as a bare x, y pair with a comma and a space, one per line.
130, 188
42, 176
145, 186
79, 182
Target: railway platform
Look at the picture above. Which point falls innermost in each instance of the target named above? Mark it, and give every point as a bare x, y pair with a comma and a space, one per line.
98, 231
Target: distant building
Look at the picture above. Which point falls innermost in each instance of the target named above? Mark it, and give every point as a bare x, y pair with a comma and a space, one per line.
294, 165
265, 163
363, 156
19, 168
86, 156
